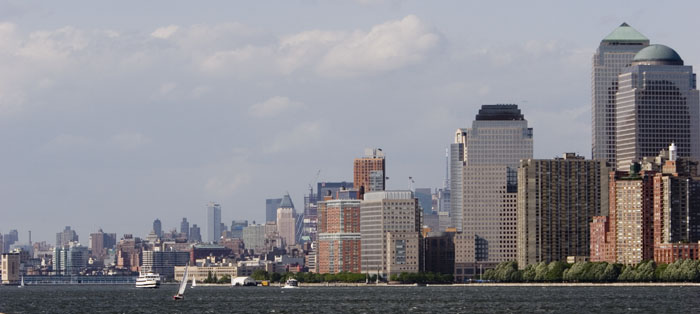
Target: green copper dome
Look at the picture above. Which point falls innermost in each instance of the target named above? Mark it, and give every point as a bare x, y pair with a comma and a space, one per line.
658, 54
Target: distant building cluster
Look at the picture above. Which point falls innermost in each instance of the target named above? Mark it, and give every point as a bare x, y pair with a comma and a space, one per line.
636, 199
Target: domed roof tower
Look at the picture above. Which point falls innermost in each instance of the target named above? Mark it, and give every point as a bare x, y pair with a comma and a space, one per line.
657, 55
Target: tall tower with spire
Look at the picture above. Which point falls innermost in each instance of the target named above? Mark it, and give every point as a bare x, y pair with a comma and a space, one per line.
613, 56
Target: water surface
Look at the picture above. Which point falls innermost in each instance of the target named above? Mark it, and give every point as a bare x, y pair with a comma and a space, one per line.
470, 299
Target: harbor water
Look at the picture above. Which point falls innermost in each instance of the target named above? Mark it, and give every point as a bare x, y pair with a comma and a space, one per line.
400, 299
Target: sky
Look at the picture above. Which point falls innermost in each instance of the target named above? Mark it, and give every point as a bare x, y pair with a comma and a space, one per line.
115, 113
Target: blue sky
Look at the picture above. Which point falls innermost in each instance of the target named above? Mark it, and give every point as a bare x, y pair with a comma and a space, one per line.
115, 113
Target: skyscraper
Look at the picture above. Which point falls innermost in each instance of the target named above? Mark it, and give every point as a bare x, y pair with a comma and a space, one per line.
213, 222
425, 198
286, 221
614, 54
557, 200
185, 227
369, 172
195, 234
66, 236
657, 104
271, 206
485, 160
237, 228
254, 237
157, 228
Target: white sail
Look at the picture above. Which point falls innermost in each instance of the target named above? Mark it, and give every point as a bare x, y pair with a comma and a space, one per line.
22, 282
232, 280
194, 281
183, 283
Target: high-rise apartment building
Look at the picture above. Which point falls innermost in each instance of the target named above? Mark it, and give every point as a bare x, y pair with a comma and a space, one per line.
484, 163
213, 222
271, 206
339, 236
657, 104
557, 200
676, 209
390, 225
614, 54
369, 172
633, 215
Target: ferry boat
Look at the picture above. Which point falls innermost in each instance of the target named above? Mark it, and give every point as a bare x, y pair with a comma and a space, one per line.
148, 280
291, 283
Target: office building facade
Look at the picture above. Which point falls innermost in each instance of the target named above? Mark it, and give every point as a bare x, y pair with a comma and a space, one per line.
213, 222
613, 56
485, 159
390, 225
657, 104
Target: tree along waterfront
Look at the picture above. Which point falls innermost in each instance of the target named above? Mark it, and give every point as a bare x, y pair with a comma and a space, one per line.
347, 277
646, 271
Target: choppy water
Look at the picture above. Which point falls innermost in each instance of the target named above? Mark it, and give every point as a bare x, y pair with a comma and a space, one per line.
473, 299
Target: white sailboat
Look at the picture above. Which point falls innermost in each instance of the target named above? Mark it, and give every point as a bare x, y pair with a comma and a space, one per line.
183, 284
21, 285
194, 282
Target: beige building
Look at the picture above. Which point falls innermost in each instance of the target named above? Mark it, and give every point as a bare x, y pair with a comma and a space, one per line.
199, 273
483, 167
390, 233
286, 225
10, 268
557, 200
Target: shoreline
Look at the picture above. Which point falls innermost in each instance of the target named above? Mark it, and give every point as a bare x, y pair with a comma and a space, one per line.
341, 284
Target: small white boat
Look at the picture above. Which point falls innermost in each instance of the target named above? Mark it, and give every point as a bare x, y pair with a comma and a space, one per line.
148, 280
291, 284
183, 284
194, 282
21, 285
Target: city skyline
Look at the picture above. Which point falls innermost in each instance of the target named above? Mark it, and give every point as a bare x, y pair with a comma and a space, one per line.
102, 117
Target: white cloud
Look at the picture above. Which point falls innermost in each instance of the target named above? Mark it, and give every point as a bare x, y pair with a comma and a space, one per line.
221, 187
54, 44
129, 140
274, 106
165, 32
68, 142
385, 47
299, 136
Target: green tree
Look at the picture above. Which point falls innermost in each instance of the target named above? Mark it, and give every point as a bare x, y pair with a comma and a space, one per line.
224, 279
555, 271
275, 277
541, 271
260, 274
529, 273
